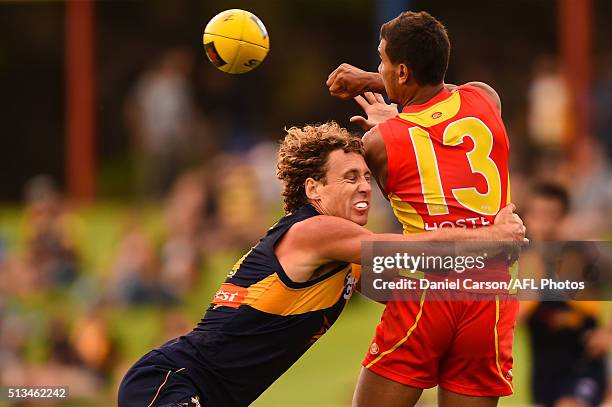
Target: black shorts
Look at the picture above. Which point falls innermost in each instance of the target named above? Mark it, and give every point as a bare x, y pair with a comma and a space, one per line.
155, 382
587, 385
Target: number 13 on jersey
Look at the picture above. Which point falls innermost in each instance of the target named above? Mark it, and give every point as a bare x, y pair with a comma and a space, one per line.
479, 159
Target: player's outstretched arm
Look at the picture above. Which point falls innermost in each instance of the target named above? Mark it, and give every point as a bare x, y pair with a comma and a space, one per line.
348, 81
323, 239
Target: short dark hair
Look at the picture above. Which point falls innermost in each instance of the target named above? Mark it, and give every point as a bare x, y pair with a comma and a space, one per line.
553, 191
419, 41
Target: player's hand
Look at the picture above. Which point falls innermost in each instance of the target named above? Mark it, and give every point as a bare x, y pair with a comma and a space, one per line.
375, 108
509, 226
347, 81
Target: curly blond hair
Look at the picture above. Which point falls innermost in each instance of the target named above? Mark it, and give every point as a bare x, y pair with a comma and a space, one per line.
303, 154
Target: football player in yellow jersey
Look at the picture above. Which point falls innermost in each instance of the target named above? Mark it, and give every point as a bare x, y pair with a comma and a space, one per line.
443, 163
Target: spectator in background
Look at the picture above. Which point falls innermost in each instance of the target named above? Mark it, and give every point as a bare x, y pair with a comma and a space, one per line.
14, 331
181, 251
565, 371
50, 257
602, 90
93, 344
548, 112
5, 268
598, 344
61, 350
268, 184
589, 181
64, 365
134, 278
161, 116
239, 212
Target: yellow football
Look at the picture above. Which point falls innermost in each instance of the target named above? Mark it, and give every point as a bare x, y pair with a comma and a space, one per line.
236, 41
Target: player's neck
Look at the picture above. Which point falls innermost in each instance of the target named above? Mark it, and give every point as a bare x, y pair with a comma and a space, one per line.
423, 94
318, 207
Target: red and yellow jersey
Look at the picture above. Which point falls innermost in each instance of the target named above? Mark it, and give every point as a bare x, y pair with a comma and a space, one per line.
447, 161
448, 167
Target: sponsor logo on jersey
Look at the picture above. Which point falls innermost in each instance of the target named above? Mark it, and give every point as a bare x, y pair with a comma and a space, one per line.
349, 285
436, 115
458, 223
374, 348
229, 295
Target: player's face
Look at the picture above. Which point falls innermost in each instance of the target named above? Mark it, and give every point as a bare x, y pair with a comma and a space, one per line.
347, 191
388, 72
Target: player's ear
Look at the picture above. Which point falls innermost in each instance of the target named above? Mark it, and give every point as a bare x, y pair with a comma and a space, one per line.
403, 74
311, 186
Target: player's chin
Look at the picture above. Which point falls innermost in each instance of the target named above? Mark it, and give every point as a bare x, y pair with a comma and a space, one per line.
360, 216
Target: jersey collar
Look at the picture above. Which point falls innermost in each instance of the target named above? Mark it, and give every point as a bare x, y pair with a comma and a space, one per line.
439, 97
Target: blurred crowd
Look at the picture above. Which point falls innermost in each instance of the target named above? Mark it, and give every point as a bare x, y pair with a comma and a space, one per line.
555, 150
55, 310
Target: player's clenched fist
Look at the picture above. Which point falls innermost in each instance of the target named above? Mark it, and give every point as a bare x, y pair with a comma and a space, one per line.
348, 81
510, 224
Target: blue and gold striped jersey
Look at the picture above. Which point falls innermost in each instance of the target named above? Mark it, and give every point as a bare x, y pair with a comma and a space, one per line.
260, 322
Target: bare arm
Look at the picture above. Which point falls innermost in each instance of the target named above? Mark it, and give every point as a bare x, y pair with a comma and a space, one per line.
376, 156
347, 81
324, 239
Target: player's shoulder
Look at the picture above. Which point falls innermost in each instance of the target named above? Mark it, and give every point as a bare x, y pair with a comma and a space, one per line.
484, 90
